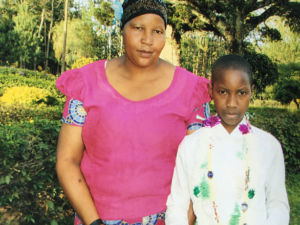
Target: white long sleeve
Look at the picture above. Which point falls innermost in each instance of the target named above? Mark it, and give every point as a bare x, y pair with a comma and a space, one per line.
179, 199
277, 200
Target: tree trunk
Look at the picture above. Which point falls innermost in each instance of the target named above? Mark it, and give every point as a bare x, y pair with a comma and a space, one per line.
39, 34
109, 42
234, 36
49, 36
45, 41
295, 100
65, 37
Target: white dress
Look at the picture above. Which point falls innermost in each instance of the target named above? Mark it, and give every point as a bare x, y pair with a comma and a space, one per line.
268, 206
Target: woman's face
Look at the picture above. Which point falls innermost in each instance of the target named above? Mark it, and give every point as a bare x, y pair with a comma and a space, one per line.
144, 38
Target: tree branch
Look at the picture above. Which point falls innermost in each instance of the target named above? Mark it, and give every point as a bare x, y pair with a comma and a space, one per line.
255, 21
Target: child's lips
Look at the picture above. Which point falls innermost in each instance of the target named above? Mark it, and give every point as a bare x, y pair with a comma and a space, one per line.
232, 115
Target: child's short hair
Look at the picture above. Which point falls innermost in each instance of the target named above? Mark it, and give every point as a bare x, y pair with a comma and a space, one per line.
234, 62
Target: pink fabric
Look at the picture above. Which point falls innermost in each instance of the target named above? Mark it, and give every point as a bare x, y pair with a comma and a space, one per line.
131, 146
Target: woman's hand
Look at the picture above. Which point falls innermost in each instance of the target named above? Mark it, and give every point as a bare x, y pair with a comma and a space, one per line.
191, 215
69, 154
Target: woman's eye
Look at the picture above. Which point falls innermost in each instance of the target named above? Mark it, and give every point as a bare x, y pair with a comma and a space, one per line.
138, 28
222, 92
158, 31
242, 93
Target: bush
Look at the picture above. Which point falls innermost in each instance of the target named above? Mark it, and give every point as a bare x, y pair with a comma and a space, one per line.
24, 94
28, 181
18, 113
82, 62
27, 73
285, 126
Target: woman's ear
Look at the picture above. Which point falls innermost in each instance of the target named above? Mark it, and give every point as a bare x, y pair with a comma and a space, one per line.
209, 86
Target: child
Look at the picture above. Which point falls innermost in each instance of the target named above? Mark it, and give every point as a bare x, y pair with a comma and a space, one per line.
232, 171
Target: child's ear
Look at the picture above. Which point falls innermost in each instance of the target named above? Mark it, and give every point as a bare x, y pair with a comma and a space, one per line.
209, 86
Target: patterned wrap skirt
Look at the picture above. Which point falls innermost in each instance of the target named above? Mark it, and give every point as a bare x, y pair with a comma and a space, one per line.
155, 219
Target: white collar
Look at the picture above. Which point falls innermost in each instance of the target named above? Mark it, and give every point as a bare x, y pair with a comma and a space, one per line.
236, 134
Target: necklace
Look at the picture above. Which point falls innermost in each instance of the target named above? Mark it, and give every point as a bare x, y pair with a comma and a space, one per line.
244, 205
208, 192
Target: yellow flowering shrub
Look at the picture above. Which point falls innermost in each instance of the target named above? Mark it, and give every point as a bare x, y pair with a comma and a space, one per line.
23, 95
82, 62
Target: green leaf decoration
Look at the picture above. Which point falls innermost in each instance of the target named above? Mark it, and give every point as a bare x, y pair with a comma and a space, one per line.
251, 194
235, 216
204, 165
197, 191
204, 189
240, 155
248, 174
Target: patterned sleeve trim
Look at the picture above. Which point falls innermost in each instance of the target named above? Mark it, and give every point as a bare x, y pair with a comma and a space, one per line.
76, 113
196, 126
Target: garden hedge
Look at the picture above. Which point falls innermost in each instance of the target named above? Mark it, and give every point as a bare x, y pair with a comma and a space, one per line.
28, 182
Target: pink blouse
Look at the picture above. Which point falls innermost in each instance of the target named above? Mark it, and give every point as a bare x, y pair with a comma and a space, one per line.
130, 146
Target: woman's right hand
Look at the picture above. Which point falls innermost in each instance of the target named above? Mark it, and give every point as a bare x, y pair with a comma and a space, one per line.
69, 154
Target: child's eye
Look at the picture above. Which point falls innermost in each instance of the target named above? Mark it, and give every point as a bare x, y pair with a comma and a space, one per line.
158, 32
222, 92
138, 28
243, 93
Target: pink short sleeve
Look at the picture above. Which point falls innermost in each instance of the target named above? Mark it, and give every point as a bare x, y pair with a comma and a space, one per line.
71, 84
199, 104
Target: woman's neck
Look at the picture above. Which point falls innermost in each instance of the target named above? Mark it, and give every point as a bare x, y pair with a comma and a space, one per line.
135, 72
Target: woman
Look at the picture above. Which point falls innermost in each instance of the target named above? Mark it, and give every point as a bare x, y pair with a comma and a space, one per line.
123, 122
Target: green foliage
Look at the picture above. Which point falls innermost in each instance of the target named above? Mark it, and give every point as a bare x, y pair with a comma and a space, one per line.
285, 126
104, 14
28, 182
293, 191
80, 40
198, 51
26, 28
285, 50
264, 71
288, 90
271, 33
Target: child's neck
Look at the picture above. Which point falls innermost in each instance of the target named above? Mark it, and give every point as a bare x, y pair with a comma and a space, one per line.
228, 127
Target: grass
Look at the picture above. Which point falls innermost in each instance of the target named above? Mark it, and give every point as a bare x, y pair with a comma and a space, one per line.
293, 190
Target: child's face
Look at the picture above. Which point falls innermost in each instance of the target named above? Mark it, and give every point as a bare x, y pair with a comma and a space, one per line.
231, 93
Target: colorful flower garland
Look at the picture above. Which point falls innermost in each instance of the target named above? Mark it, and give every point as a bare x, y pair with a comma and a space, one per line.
204, 188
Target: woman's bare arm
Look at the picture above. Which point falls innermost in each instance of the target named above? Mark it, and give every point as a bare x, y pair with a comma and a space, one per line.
191, 215
69, 154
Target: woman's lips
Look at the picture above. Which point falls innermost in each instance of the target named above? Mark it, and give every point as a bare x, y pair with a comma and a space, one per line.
145, 54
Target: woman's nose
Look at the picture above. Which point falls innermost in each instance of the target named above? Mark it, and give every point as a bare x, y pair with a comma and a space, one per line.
147, 38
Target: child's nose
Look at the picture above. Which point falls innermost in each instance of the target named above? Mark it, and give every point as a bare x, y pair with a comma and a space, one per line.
232, 101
